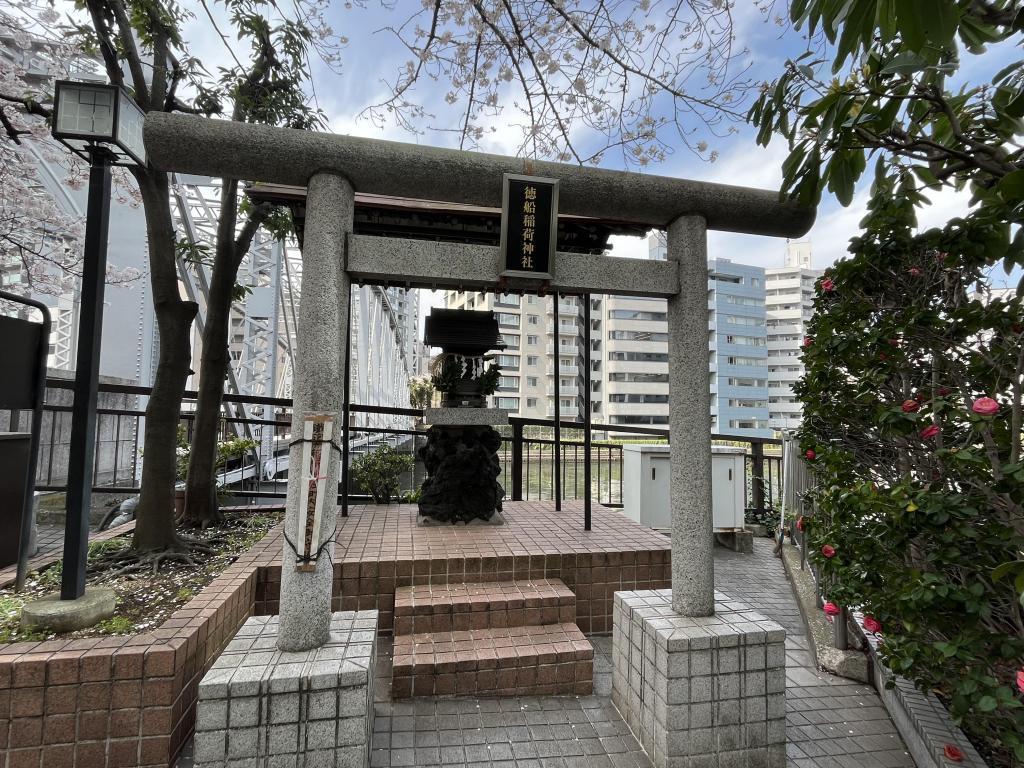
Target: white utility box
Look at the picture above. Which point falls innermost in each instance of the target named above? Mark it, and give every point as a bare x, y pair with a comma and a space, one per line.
645, 486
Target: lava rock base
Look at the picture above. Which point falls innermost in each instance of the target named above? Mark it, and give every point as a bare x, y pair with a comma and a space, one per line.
462, 474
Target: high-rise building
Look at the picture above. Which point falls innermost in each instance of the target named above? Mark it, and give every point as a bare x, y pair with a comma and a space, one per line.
629, 352
737, 349
630, 361
789, 304
737, 346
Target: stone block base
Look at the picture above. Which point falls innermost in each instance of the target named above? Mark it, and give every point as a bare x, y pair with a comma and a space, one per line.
700, 692
261, 707
741, 541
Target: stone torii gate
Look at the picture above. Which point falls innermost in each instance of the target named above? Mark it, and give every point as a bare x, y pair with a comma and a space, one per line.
332, 168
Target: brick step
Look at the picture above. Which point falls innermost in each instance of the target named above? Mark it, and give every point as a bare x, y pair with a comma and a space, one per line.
484, 605
513, 661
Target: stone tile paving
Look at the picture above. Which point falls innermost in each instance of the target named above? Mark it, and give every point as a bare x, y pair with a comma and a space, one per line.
830, 722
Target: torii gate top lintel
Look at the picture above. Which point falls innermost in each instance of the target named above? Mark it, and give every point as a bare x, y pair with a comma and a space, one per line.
192, 144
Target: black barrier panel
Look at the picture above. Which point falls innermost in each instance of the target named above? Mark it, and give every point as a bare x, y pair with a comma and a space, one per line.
19, 355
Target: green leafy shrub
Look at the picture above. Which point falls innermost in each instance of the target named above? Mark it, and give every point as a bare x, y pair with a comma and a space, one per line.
913, 419
226, 450
378, 472
421, 392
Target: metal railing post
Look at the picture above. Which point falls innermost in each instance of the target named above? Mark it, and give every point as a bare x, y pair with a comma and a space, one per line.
517, 461
757, 477
840, 639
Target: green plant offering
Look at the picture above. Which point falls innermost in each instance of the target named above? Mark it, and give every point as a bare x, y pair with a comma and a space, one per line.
378, 472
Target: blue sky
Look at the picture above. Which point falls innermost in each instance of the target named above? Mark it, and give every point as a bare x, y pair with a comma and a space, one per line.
373, 55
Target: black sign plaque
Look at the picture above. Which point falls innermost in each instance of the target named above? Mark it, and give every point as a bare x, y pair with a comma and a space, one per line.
529, 226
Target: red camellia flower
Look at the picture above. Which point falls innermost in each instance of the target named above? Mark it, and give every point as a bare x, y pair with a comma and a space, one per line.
828, 550
914, 272
985, 406
808, 341
953, 752
910, 406
930, 431
1020, 679
827, 285
800, 523
943, 391
831, 609
882, 356
871, 624
810, 455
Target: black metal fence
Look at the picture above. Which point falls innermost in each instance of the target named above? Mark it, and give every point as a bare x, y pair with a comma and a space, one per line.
527, 455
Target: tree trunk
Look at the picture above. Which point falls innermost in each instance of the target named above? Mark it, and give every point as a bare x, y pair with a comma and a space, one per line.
154, 516
201, 484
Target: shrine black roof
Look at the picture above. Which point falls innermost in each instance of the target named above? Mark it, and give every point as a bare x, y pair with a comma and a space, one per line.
463, 331
386, 216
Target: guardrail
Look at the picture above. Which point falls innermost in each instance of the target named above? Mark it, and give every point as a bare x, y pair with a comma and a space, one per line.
527, 453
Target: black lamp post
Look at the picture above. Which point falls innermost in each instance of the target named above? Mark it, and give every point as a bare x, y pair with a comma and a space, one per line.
103, 125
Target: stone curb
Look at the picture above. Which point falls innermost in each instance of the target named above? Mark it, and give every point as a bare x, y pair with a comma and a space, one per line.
920, 717
849, 664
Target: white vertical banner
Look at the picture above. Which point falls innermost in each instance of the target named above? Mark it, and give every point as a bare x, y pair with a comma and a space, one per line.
317, 435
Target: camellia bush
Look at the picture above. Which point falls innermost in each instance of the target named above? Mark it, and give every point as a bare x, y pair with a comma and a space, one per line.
914, 410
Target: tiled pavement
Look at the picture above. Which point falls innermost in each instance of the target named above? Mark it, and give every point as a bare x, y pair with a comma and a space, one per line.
830, 722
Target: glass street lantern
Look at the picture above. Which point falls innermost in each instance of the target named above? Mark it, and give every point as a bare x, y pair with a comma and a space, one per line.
102, 125
85, 114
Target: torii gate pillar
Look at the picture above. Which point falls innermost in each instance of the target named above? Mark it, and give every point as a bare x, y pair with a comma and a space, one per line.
318, 388
689, 409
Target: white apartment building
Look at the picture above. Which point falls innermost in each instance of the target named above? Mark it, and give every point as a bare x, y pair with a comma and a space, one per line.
629, 353
629, 358
528, 368
789, 299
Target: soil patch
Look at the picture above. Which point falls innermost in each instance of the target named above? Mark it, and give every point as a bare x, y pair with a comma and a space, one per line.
144, 599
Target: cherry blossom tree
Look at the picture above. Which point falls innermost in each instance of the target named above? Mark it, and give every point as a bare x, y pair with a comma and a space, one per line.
141, 47
577, 78
38, 238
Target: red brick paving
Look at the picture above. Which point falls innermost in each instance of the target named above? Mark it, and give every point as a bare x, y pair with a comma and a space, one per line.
514, 661
447, 607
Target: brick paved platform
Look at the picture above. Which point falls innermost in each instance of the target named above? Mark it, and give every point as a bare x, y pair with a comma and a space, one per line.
487, 605
380, 549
